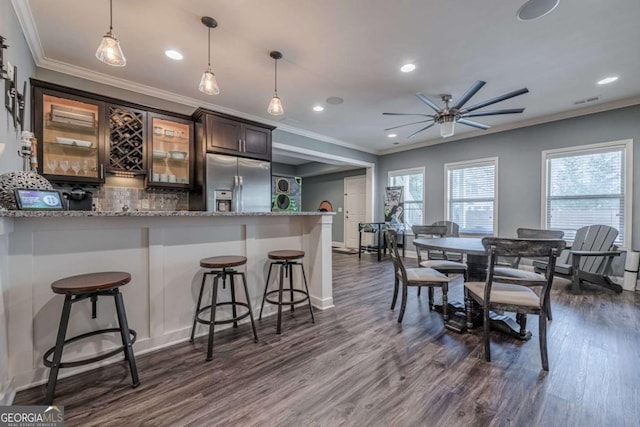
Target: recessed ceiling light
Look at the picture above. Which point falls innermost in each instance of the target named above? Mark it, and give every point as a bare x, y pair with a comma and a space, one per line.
173, 54
608, 80
407, 68
534, 9
318, 108
334, 100
396, 143
392, 135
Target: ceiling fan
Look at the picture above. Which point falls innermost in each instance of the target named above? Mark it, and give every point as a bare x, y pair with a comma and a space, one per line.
449, 115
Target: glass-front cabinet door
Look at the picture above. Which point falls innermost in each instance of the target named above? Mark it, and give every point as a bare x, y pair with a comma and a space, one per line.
68, 129
170, 151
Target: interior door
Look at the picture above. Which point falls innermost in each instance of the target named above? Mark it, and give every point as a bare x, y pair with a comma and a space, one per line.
354, 208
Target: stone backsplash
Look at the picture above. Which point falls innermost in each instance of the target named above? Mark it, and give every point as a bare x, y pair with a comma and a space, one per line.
108, 198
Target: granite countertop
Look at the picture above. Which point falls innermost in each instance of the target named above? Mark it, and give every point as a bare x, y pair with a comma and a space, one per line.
49, 214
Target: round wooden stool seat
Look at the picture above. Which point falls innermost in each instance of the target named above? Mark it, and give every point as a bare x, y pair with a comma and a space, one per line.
285, 255
223, 261
92, 282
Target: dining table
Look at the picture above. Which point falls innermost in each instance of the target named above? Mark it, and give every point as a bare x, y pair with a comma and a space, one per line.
477, 260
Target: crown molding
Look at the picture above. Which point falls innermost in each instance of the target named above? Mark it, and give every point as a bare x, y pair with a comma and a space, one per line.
334, 159
25, 18
608, 106
28, 25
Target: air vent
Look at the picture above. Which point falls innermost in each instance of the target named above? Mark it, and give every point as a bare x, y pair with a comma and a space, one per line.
587, 100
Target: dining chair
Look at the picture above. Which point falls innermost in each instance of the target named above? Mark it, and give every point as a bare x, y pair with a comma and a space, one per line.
512, 268
445, 266
511, 293
453, 230
533, 233
416, 277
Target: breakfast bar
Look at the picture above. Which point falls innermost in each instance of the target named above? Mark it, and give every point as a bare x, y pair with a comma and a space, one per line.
161, 250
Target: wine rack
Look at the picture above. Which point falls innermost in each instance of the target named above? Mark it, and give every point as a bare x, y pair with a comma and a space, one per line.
126, 135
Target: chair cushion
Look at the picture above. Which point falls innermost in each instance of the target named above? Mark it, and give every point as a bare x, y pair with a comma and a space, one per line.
426, 275
505, 293
443, 265
565, 269
518, 274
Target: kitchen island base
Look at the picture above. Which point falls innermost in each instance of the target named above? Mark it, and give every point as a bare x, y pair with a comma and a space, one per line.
162, 253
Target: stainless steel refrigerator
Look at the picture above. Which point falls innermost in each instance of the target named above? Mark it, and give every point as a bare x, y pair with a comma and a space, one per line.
248, 180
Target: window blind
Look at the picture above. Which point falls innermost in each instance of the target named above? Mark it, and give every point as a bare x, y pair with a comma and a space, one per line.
584, 188
471, 196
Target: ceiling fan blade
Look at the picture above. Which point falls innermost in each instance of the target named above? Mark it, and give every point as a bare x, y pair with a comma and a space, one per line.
469, 93
406, 114
497, 99
423, 129
422, 97
494, 112
473, 124
409, 124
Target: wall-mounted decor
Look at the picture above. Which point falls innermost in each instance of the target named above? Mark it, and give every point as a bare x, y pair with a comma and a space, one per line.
13, 100
394, 207
286, 193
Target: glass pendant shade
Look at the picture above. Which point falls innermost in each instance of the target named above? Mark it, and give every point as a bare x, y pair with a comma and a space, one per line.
110, 52
447, 128
208, 83
275, 106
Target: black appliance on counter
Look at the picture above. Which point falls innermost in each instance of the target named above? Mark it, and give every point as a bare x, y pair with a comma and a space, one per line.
79, 199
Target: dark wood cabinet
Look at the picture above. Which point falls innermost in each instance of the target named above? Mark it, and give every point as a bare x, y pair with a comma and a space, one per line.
231, 135
223, 135
257, 142
70, 129
126, 146
82, 136
170, 151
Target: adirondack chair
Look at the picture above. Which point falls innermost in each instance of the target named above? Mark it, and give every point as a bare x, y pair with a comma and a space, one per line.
589, 258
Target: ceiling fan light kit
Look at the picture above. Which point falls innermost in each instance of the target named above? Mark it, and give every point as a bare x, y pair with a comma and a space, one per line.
208, 82
449, 115
275, 106
109, 50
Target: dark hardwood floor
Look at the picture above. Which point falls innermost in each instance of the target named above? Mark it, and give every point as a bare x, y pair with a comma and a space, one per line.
358, 367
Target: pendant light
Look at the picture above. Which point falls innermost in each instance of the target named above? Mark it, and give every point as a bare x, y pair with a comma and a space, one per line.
275, 106
208, 83
109, 50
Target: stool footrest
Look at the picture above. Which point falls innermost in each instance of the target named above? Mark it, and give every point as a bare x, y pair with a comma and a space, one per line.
223, 322
276, 302
48, 363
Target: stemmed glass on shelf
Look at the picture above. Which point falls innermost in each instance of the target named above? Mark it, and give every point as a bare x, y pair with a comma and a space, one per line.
52, 164
64, 165
75, 165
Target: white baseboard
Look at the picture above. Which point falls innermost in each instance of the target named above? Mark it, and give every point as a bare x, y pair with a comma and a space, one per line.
7, 393
337, 244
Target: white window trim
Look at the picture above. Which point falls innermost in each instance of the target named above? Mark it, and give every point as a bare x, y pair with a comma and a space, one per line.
465, 164
628, 180
411, 171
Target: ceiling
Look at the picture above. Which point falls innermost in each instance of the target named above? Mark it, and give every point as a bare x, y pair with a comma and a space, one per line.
353, 49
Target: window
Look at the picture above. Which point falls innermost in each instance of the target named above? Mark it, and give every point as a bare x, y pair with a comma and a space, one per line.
471, 195
412, 180
588, 185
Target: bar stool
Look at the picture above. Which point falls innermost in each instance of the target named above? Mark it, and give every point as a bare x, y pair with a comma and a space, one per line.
286, 259
222, 267
78, 288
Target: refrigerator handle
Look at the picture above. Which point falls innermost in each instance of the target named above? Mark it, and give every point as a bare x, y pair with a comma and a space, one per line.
241, 201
